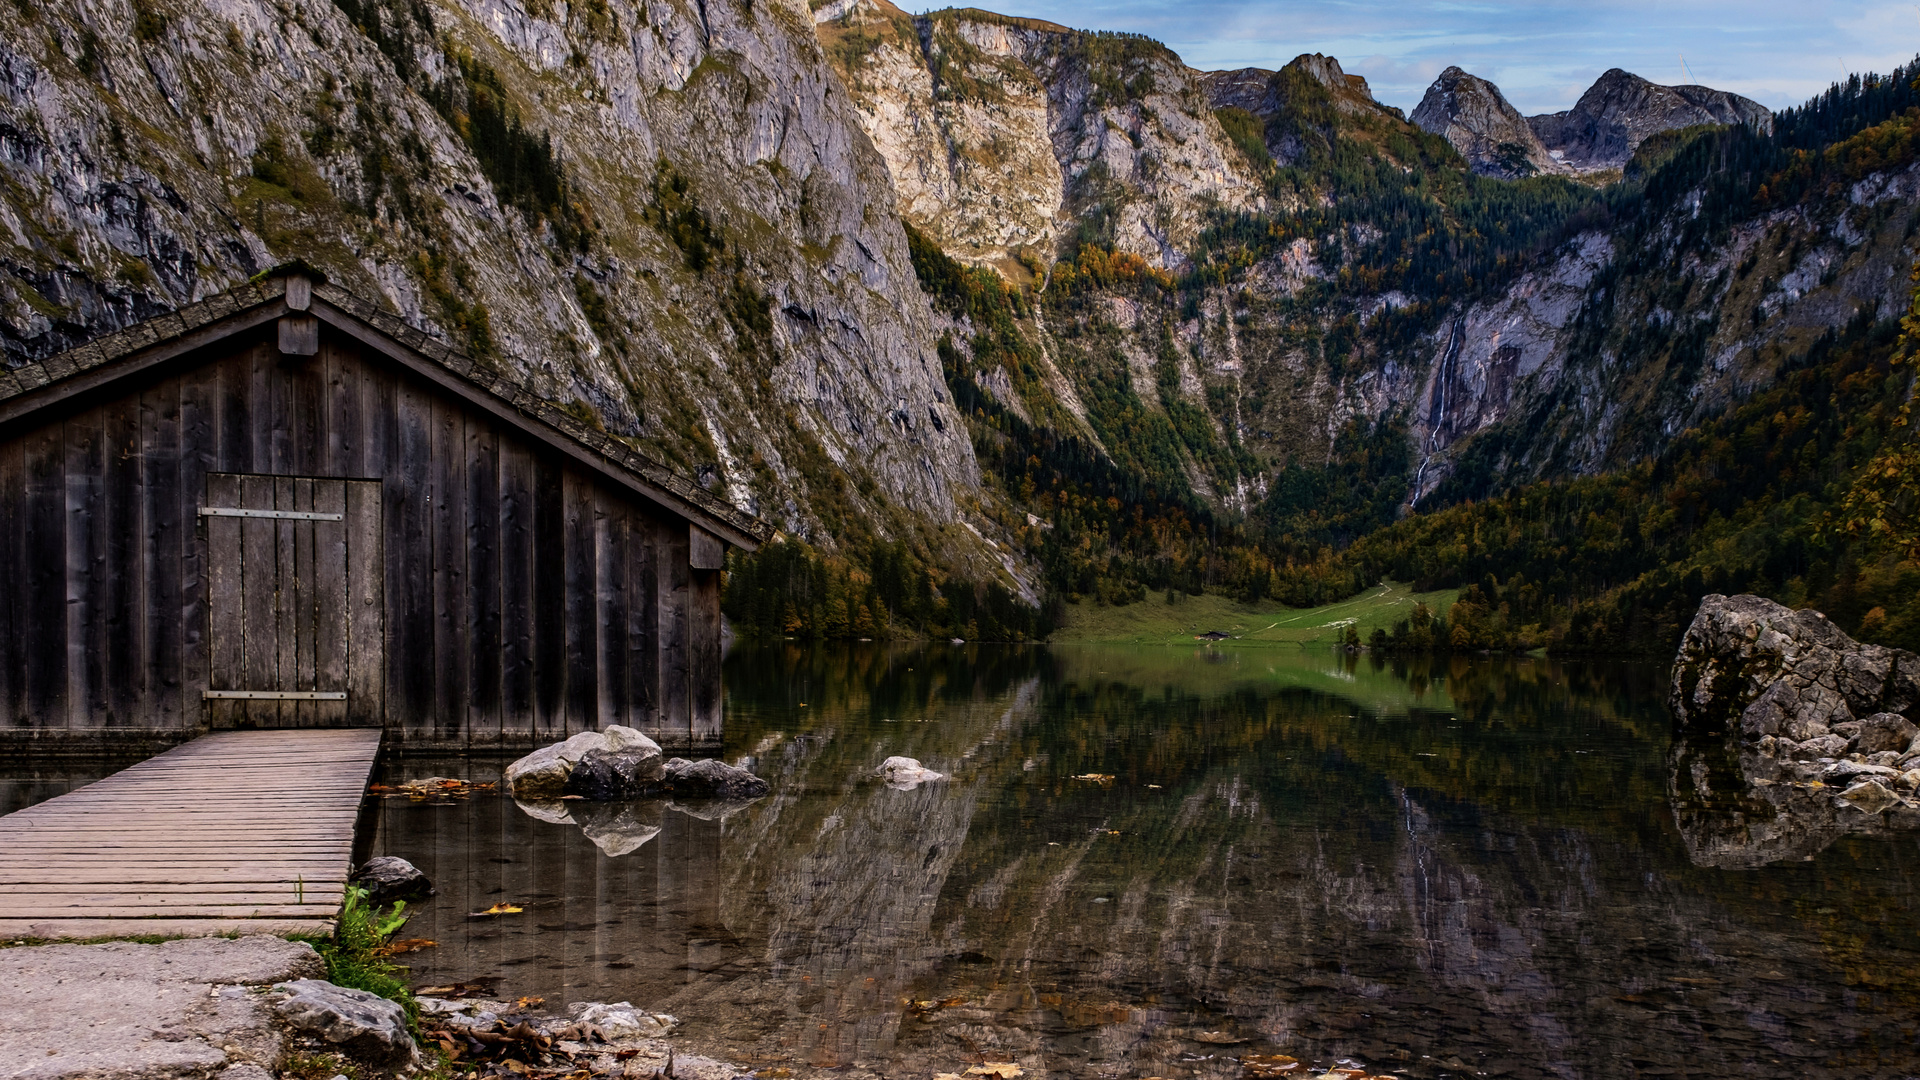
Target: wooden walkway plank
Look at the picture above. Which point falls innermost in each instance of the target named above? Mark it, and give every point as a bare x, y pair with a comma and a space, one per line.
239, 831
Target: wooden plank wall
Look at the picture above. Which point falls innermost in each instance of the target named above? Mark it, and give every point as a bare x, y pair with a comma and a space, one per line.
526, 599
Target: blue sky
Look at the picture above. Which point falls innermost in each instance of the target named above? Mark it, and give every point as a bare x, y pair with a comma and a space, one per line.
1541, 55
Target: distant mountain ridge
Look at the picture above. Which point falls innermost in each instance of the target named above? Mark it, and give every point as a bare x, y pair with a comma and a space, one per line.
1601, 132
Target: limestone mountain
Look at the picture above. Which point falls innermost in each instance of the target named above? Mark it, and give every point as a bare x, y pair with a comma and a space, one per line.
1620, 110
1489, 132
1006, 136
661, 210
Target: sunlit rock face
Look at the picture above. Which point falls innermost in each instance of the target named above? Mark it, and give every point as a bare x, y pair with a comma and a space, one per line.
1005, 135
1792, 733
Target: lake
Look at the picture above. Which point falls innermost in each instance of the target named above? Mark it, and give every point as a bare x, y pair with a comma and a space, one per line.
1158, 862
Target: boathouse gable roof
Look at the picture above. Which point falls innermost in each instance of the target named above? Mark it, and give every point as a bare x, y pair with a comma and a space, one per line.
106, 360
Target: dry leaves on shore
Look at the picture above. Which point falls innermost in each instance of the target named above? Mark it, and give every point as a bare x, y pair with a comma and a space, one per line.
405, 945
502, 908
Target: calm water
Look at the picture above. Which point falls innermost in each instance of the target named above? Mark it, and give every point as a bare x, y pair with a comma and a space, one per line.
1460, 870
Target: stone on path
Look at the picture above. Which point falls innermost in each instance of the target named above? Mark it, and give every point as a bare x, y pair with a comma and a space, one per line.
620, 1020
359, 1023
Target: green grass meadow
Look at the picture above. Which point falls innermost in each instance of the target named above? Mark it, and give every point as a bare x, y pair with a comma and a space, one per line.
1156, 622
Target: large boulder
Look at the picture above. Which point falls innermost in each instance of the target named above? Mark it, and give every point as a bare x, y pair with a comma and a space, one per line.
388, 879
1790, 734
1769, 670
710, 779
623, 773
543, 774
361, 1024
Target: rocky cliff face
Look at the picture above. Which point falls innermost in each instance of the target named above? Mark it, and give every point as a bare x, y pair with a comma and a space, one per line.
1550, 367
1006, 136
1621, 109
713, 269
1477, 119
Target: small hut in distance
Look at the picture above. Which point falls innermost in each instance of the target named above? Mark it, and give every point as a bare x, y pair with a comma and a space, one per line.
283, 507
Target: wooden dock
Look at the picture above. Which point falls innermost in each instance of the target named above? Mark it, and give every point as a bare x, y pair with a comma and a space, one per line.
238, 831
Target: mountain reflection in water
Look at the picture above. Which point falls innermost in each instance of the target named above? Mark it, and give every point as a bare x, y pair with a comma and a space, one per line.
1451, 870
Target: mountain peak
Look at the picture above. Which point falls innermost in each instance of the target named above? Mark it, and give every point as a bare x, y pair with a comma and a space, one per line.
1473, 115
1621, 109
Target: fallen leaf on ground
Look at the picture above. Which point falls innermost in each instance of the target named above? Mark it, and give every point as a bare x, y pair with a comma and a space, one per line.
497, 909
406, 945
531, 1002
1261, 1066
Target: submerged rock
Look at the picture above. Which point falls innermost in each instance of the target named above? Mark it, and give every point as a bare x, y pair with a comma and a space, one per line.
361, 1024
552, 811
905, 773
710, 779
389, 878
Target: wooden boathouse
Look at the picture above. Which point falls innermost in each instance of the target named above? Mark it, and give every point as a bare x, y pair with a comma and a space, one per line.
283, 507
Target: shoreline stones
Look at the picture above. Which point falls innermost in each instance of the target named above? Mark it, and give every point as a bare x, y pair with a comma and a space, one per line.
359, 1023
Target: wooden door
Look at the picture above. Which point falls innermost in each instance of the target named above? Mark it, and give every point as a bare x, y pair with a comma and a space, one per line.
296, 610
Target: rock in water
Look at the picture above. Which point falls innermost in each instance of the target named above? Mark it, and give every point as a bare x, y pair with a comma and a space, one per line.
543, 774
1786, 703
621, 1020
1879, 733
623, 773
1769, 670
905, 773
361, 1024
388, 878
710, 779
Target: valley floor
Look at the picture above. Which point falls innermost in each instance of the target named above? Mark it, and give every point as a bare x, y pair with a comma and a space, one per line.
1155, 621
